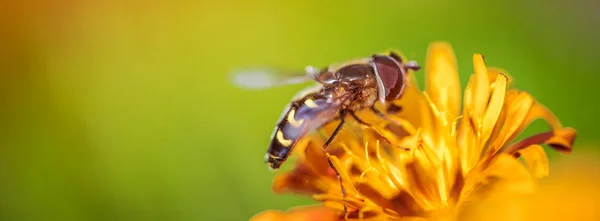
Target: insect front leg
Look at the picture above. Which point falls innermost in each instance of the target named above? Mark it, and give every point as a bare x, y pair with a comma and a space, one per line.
324, 149
368, 125
380, 114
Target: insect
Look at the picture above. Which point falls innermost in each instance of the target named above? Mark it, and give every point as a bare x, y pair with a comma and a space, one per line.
341, 90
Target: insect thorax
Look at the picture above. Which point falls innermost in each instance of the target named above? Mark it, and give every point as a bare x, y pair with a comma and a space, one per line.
363, 98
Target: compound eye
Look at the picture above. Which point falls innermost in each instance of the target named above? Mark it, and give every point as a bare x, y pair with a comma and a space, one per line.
391, 75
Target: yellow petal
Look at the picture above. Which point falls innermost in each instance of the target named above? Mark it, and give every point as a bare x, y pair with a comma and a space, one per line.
494, 108
476, 101
504, 174
509, 169
481, 85
441, 78
516, 115
536, 160
493, 72
422, 174
509, 98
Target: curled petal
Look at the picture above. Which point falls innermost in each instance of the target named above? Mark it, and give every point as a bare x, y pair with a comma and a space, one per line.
561, 140
441, 75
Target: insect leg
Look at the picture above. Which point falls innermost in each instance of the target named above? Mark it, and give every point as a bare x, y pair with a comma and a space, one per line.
368, 125
382, 115
336, 131
324, 148
359, 120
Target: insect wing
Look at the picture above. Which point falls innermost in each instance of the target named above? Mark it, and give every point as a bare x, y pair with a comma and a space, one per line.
259, 78
302, 116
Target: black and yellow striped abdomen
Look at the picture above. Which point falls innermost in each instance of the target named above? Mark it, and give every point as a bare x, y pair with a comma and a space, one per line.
301, 116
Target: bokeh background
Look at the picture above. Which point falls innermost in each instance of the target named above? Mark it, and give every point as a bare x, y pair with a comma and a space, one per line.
122, 110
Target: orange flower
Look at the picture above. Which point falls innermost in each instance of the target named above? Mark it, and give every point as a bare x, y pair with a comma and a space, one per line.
441, 159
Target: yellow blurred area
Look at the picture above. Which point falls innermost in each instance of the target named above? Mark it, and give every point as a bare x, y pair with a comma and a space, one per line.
123, 110
570, 193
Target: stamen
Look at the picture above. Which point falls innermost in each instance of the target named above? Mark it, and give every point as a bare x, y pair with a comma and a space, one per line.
367, 153
455, 126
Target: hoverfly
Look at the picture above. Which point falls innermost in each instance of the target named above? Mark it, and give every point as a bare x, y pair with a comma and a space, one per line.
341, 89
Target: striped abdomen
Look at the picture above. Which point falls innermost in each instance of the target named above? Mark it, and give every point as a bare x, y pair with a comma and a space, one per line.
302, 116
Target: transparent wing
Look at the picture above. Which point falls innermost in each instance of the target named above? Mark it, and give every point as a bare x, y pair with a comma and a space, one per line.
258, 78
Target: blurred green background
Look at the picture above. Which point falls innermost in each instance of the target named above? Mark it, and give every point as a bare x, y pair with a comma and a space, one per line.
118, 110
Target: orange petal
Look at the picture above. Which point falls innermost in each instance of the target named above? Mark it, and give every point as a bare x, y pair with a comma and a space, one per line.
315, 159
300, 180
441, 78
536, 160
308, 213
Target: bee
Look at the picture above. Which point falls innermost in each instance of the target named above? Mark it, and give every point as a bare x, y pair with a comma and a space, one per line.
341, 90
